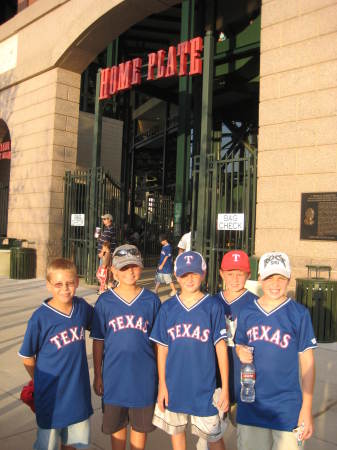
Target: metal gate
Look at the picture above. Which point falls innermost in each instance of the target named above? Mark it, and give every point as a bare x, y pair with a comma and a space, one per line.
87, 195
230, 187
3, 209
159, 219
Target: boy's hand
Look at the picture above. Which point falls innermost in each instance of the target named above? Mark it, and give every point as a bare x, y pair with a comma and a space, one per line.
305, 418
245, 355
162, 398
98, 385
223, 400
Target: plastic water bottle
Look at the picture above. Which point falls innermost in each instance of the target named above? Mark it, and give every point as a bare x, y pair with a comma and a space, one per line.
248, 382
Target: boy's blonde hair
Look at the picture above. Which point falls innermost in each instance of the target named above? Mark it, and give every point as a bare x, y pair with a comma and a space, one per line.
60, 264
106, 244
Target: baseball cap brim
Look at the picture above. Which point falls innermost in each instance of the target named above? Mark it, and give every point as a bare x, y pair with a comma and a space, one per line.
275, 271
122, 261
184, 271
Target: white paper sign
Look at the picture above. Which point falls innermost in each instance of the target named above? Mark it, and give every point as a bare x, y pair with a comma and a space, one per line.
234, 222
77, 220
8, 54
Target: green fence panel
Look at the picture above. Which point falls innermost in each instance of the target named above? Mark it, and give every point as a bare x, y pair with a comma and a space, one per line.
254, 267
22, 263
320, 297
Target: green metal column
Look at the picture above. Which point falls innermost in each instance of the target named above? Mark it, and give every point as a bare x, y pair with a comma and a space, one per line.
96, 161
183, 138
206, 126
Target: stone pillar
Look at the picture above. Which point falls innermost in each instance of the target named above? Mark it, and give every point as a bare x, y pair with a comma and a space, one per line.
42, 116
298, 124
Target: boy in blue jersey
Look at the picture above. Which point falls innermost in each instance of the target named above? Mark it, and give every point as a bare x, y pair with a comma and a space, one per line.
234, 271
55, 357
165, 266
127, 381
281, 334
190, 333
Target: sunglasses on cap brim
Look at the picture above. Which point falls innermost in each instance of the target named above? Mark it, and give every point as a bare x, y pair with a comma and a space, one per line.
126, 252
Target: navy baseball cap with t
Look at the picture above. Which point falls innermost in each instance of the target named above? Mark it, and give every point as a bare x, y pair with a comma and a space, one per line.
189, 262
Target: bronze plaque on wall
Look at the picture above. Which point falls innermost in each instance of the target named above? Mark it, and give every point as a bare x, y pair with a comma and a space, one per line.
319, 216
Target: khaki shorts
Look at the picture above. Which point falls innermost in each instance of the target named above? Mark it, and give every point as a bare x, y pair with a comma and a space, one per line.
208, 428
256, 438
116, 418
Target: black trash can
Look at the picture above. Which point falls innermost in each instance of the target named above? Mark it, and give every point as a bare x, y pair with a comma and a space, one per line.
320, 297
22, 263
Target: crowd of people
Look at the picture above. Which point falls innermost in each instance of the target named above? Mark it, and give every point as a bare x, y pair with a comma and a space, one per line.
163, 364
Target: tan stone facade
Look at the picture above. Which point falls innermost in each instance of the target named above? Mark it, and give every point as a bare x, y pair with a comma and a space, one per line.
42, 113
298, 124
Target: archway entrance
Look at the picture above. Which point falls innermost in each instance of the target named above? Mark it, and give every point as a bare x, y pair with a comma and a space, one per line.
176, 128
5, 161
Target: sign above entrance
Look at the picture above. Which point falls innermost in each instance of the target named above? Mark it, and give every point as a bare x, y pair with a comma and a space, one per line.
127, 74
233, 222
5, 150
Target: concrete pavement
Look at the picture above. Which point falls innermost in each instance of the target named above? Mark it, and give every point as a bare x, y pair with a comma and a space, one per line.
19, 298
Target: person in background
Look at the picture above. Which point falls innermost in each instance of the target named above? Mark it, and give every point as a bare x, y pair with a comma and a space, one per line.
165, 266
184, 245
103, 271
108, 234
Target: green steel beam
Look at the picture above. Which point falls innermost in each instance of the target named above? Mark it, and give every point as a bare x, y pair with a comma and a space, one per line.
96, 160
206, 129
183, 137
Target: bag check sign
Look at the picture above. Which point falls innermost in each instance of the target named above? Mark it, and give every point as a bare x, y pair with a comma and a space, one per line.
231, 222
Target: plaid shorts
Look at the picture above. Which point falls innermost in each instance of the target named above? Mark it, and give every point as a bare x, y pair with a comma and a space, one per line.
163, 278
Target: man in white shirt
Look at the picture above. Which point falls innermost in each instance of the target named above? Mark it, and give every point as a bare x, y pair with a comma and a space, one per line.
184, 245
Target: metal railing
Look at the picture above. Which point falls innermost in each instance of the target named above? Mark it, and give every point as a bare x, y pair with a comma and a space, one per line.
78, 240
230, 188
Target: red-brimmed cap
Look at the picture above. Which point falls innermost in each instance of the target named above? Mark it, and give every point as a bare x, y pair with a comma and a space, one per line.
235, 260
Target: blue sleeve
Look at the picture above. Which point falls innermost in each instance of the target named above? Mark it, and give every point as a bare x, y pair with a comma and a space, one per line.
159, 330
218, 322
307, 337
30, 345
240, 336
98, 326
90, 316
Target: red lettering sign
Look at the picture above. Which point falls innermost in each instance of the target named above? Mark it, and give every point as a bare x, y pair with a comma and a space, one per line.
127, 74
171, 69
5, 150
136, 71
104, 86
183, 51
124, 76
195, 61
152, 62
113, 85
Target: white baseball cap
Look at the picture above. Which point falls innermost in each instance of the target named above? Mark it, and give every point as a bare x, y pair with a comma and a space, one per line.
274, 263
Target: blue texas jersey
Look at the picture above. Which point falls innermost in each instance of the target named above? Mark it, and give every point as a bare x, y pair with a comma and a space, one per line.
61, 379
190, 335
232, 310
129, 369
166, 251
278, 337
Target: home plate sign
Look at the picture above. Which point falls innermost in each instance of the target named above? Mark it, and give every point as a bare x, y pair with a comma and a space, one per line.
231, 222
